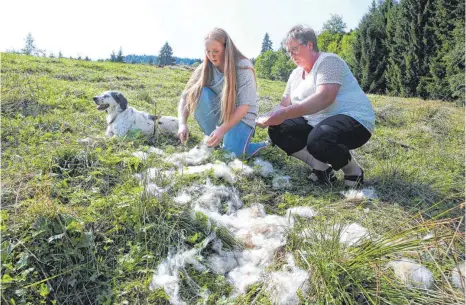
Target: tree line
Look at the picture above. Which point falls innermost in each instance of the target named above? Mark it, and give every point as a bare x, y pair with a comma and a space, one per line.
165, 57
407, 48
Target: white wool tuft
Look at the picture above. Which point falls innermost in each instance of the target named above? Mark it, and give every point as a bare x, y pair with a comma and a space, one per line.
190, 170
428, 236
154, 190
281, 182
195, 156
412, 274
222, 263
364, 194
245, 275
307, 212
183, 198
283, 286
265, 168
351, 234
221, 170
239, 166
229, 156
154, 173
458, 276
167, 277
154, 150
167, 274
218, 199
141, 155
254, 211
85, 140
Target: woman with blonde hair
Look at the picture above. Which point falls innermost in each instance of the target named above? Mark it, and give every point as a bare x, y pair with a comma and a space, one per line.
223, 97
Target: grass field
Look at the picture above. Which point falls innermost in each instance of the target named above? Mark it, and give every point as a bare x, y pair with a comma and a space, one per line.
78, 228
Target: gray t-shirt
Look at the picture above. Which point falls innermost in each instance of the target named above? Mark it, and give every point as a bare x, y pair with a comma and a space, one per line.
350, 99
246, 93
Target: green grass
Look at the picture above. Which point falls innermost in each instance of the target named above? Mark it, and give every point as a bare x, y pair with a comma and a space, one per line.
76, 228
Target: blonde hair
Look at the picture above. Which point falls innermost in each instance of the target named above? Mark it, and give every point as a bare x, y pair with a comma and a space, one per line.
203, 75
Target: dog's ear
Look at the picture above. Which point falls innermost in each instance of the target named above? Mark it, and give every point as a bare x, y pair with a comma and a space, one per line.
120, 99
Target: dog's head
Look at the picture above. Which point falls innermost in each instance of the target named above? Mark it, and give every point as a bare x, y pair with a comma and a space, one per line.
111, 99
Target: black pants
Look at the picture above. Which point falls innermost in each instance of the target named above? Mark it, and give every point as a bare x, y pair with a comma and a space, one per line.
330, 141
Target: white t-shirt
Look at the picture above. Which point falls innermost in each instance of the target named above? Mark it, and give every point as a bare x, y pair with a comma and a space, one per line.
350, 100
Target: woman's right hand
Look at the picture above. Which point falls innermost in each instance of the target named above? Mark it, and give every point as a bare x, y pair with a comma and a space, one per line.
183, 133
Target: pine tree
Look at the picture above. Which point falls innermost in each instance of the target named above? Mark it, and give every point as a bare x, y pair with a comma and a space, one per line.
412, 47
394, 58
443, 25
29, 45
370, 48
454, 61
60, 54
266, 44
120, 57
113, 56
334, 25
166, 56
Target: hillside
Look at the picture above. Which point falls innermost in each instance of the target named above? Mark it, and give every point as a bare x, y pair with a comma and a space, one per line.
79, 225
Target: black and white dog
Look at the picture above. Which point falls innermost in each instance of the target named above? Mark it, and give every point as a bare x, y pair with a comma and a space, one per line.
122, 119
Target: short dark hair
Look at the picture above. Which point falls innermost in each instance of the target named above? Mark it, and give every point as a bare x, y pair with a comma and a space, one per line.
303, 34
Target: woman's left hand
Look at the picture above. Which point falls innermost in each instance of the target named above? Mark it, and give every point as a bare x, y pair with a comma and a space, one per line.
216, 136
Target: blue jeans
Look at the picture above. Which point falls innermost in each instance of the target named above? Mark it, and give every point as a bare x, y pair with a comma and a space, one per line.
237, 139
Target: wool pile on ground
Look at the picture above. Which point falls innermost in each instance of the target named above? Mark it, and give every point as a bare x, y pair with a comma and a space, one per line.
261, 234
412, 274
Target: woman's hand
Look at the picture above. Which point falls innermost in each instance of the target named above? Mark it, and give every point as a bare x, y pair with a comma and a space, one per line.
216, 136
260, 121
183, 133
276, 118
263, 118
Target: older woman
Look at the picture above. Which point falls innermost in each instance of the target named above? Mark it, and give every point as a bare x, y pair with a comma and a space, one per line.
324, 114
222, 95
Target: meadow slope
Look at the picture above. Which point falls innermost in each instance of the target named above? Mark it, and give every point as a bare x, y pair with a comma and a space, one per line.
79, 228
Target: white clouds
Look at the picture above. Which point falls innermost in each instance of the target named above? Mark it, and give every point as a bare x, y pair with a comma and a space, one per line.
95, 28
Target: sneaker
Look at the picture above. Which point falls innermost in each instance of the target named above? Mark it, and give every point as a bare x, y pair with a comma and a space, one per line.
327, 176
354, 181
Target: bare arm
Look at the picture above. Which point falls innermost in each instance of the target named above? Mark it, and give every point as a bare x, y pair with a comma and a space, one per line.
325, 95
218, 133
238, 114
183, 114
286, 101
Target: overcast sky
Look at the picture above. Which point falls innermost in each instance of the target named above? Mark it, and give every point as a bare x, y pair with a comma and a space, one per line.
95, 28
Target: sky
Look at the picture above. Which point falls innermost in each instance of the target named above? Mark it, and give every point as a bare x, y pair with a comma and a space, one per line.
95, 28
